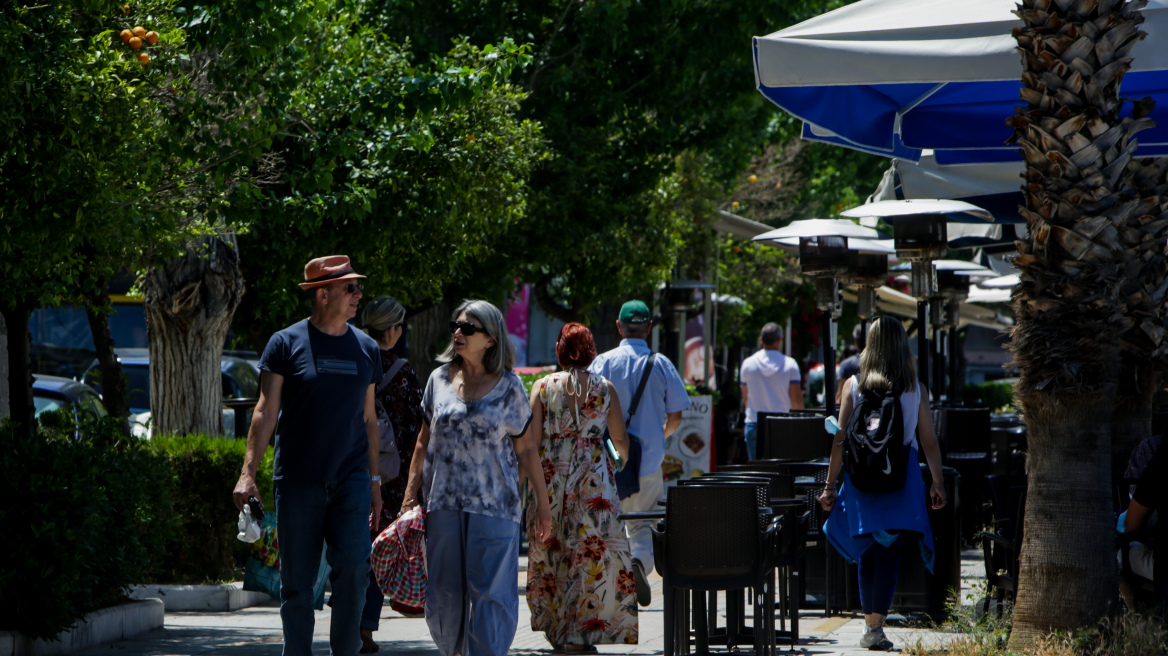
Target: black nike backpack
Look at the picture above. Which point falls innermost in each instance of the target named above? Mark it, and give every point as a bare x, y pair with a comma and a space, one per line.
875, 457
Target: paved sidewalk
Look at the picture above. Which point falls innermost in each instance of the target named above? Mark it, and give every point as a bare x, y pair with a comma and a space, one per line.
256, 632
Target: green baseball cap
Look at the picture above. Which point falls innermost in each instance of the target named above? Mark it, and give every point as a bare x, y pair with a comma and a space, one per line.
634, 312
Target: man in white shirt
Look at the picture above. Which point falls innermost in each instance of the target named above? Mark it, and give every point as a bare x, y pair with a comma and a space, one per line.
770, 382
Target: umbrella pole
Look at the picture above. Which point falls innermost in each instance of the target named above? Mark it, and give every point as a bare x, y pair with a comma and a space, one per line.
954, 365
828, 365
938, 363
923, 342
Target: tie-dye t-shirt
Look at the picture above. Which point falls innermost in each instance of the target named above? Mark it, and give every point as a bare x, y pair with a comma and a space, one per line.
470, 462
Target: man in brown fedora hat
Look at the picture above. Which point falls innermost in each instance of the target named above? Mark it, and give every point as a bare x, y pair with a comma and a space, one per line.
319, 376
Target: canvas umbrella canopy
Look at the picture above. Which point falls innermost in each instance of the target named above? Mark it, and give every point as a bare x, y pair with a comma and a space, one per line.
898, 77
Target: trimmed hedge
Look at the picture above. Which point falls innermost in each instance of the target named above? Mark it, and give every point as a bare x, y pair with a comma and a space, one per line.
88, 512
85, 515
204, 548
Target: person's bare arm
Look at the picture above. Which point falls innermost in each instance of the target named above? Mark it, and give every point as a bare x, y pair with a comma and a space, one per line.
672, 421
263, 422
1137, 515
839, 392
536, 427
374, 433
745, 395
616, 423
414, 482
795, 391
527, 451
932, 450
827, 497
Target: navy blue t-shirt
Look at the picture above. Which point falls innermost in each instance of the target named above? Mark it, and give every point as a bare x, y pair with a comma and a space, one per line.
321, 434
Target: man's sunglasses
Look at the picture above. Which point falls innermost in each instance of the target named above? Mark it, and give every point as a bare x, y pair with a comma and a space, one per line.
467, 328
352, 287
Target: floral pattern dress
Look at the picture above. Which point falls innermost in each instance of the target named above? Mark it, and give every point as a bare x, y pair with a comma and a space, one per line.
580, 585
402, 400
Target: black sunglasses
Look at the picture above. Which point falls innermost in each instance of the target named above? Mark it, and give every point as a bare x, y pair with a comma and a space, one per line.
351, 287
404, 324
467, 328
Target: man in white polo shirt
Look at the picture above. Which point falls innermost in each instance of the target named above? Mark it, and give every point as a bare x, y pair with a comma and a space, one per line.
770, 382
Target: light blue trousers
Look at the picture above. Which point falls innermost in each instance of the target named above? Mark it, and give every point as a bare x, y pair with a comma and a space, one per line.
472, 589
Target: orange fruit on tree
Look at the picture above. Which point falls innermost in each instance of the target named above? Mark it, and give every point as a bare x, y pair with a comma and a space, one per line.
135, 42
126, 35
753, 178
151, 37
143, 58
734, 204
125, 9
139, 31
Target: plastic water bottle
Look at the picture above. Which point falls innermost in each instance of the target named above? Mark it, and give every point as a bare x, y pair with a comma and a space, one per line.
831, 425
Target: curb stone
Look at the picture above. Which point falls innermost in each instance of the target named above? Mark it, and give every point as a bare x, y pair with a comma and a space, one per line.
213, 598
99, 627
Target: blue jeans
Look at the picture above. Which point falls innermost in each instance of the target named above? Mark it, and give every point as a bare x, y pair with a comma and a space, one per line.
750, 434
374, 601
879, 566
472, 577
334, 516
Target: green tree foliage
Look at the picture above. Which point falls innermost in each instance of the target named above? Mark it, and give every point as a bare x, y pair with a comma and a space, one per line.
621, 88
416, 171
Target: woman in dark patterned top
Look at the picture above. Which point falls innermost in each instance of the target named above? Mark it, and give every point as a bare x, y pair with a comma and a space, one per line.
385, 321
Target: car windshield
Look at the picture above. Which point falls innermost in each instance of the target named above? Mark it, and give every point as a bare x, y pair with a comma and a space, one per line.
138, 387
45, 404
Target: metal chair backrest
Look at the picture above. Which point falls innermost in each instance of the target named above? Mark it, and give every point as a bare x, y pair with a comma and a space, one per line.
711, 530
782, 486
802, 438
962, 430
756, 466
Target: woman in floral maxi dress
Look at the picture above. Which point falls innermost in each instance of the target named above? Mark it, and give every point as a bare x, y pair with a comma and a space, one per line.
580, 584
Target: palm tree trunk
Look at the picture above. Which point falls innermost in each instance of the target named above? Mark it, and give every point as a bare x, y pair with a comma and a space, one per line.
1068, 305
1067, 575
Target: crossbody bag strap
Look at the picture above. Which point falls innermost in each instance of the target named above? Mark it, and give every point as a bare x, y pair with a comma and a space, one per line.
388, 376
641, 388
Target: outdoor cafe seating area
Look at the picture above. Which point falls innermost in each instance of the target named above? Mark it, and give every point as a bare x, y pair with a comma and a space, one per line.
741, 549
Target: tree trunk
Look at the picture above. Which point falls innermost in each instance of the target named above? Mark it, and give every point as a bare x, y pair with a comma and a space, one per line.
1069, 308
189, 305
1131, 418
1068, 555
113, 381
429, 336
4, 387
19, 350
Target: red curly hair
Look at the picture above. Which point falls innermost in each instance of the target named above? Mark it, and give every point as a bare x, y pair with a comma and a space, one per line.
575, 348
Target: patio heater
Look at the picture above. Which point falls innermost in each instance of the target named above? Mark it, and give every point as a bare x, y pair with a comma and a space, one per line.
920, 237
825, 255
866, 272
953, 280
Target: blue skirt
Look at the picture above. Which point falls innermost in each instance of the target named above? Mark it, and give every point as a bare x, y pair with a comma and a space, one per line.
861, 519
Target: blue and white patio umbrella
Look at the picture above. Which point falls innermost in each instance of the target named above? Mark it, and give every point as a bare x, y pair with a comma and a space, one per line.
901, 77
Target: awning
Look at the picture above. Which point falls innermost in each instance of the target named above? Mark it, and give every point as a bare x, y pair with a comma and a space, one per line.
899, 304
896, 77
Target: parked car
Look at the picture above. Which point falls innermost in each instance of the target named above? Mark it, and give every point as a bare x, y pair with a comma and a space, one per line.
240, 380
50, 393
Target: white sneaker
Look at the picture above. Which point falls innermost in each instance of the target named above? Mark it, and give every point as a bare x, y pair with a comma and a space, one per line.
875, 640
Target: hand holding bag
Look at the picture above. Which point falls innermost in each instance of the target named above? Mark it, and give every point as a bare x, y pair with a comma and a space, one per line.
399, 561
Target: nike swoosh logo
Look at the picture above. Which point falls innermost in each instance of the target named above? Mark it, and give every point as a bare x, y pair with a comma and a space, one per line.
887, 464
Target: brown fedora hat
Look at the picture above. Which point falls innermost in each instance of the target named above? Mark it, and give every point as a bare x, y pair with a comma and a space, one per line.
327, 270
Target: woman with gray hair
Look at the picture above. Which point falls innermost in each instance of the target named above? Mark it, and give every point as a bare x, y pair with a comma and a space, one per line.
473, 440
399, 396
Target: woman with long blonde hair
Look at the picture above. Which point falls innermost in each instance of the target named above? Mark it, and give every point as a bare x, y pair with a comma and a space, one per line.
871, 527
